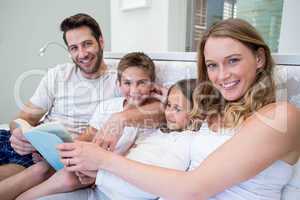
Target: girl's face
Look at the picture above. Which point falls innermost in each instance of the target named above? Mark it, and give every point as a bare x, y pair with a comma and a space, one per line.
231, 66
177, 109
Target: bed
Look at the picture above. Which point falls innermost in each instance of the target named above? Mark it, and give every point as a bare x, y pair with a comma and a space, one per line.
171, 67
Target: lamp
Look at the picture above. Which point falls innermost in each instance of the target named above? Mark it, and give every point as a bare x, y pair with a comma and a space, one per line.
45, 47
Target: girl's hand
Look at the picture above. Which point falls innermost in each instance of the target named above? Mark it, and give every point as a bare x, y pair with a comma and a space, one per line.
92, 174
159, 92
87, 177
82, 156
106, 140
108, 136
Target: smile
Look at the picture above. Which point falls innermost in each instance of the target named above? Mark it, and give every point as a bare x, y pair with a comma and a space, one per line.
171, 122
230, 85
86, 61
135, 97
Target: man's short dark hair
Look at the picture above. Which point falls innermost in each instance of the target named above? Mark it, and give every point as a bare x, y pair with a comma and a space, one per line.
80, 20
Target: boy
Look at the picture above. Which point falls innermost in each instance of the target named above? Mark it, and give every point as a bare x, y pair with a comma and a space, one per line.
136, 74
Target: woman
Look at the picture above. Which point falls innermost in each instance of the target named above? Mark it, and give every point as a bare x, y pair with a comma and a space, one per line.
234, 60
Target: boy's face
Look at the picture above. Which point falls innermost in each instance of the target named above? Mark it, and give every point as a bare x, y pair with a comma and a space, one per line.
135, 85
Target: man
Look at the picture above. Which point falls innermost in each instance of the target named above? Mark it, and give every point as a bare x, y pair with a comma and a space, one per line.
69, 94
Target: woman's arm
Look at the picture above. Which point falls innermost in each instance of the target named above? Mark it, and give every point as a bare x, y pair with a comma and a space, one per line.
269, 135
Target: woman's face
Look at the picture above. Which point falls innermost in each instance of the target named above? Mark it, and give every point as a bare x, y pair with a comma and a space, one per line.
231, 66
176, 111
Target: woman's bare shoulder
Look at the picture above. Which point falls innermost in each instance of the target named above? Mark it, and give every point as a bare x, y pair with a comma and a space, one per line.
281, 118
279, 112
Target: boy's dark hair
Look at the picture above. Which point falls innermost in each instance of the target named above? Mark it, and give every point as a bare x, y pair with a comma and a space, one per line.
139, 60
80, 20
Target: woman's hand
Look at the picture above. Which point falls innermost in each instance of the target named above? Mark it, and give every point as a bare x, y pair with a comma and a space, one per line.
82, 156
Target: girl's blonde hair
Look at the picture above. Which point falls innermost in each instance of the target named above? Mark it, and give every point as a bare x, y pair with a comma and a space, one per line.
209, 102
186, 87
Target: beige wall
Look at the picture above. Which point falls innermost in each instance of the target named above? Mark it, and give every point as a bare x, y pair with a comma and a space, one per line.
26, 25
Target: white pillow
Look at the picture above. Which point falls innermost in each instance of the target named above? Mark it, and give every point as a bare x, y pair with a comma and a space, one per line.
291, 74
292, 190
4, 127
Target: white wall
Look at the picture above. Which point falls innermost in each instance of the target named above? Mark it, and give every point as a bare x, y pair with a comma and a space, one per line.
177, 25
290, 27
160, 27
26, 25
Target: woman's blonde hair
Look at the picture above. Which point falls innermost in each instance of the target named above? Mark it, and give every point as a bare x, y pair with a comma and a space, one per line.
209, 102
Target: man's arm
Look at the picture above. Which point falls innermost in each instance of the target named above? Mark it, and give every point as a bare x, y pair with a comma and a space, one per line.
31, 114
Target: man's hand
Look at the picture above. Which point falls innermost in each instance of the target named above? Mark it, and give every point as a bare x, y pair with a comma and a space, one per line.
36, 157
29, 116
19, 143
108, 136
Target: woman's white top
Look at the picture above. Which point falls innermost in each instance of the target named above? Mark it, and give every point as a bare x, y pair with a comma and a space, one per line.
186, 151
267, 185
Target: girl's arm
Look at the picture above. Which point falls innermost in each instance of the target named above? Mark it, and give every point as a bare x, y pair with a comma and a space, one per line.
149, 115
269, 135
88, 134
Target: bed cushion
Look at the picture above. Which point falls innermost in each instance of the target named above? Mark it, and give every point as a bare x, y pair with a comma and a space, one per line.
4, 126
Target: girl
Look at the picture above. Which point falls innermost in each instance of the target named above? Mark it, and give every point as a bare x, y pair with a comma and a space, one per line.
168, 147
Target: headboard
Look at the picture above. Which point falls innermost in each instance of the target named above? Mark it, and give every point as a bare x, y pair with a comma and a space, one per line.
173, 66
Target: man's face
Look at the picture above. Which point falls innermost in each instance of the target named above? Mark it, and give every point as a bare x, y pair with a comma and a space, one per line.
86, 51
